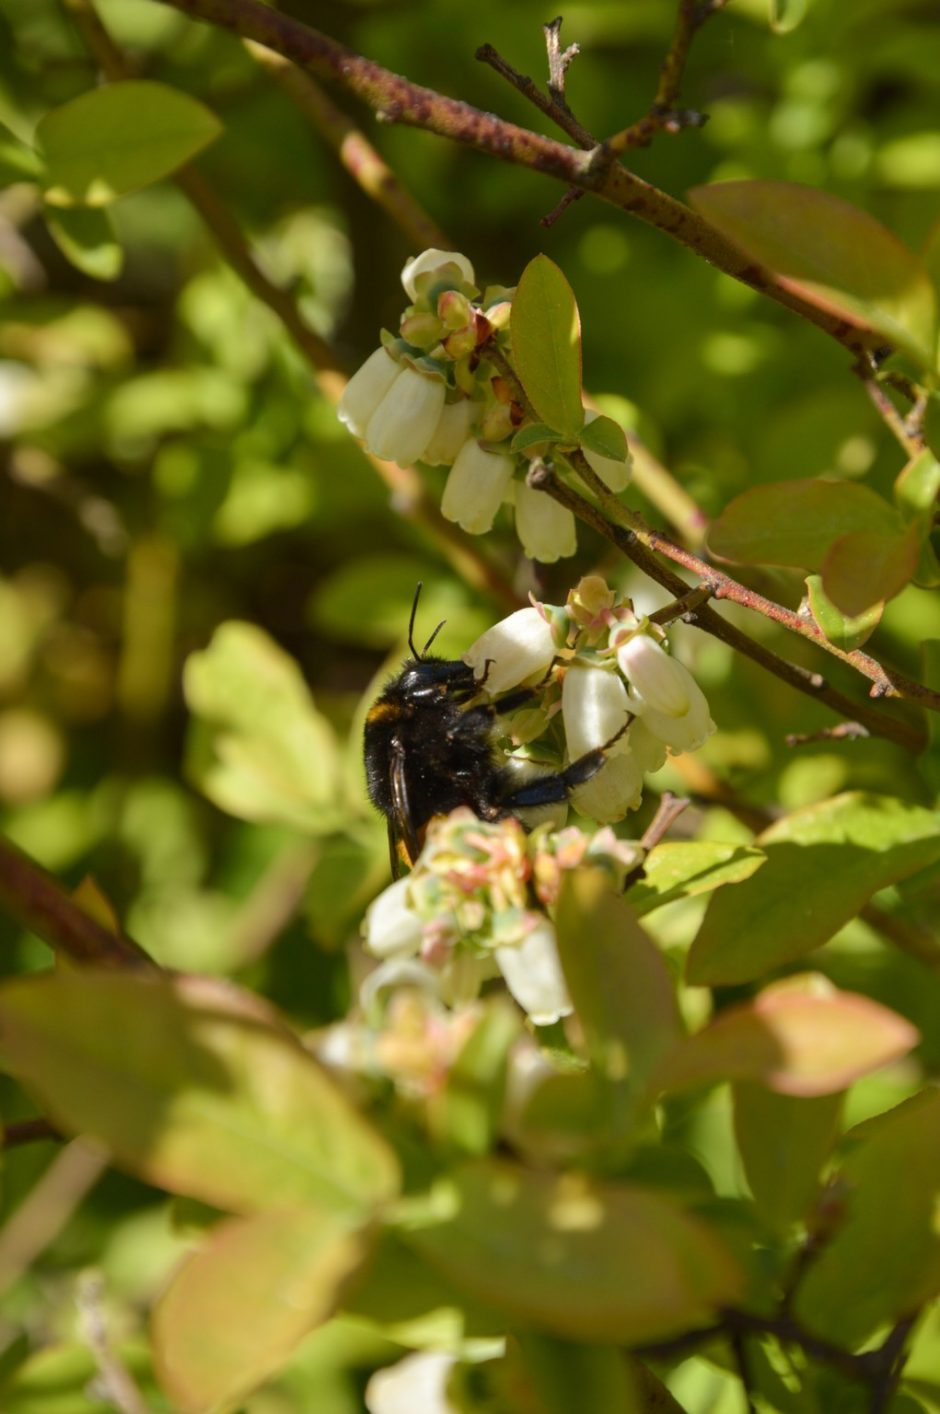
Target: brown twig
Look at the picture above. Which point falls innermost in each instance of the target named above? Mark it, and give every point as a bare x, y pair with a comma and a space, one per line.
395, 99
705, 618
844, 731
28, 1131
560, 114
34, 900
912, 440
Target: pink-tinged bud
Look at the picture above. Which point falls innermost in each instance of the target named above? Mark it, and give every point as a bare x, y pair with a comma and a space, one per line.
545, 528
403, 423
532, 972
365, 390
433, 260
615, 475
594, 706
452, 430
518, 647
454, 310
476, 486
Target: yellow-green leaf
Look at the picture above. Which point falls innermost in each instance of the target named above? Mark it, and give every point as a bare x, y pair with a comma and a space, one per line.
546, 345
86, 238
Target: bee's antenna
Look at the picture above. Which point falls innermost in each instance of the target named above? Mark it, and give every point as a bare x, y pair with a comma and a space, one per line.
411, 621
432, 638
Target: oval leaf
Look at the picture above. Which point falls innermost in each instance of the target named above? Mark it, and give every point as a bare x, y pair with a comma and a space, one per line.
675, 870
236, 1309
795, 523
867, 567
823, 865
194, 1086
86, 238
917, 486
523, 1241
835, 256
119, 138
546, 345
784, 1142
605, 437
18, 162
845, 631
798, 1038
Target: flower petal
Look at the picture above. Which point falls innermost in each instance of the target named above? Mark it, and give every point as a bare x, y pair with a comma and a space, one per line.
415, 1385
533, 974
662, 683
594, 705
391, 926
433, 260
475, 487
365, 390
617, 788
452, 430
545, 528
403, 423
516, 648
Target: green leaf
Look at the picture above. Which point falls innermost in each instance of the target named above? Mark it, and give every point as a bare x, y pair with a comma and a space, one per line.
527, 1241
801, 1037
837, 257
566, 1376
466, 1112
619, 982
545, 329
917, 486
785, 15
86, 238
605, 437
236, 1309
675, 870
119, 138
18, 161
868, 567
784, 1142
845, 631
259, 748
883, 1260
795, 523
534, 437
196, 1087
824, 863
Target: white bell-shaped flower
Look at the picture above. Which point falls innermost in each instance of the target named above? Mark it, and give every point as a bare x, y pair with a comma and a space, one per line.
476, 486
532, 972
647, 750
594, 706
672, 705
617, 788
403, 423
545, 528
415, 1385
365, 390
433, 260
392, 928
516, 648
615, 475
452, 430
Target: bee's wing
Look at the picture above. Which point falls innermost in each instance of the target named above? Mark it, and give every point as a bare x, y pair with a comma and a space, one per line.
402, 837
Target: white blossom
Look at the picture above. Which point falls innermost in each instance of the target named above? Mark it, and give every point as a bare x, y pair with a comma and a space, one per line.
672, 705
512, 650
365, 390
616, 788
545, 528
433, 260
476, 486
392, 927
594, 706
532, 972
452, 430
403, 423
647, 750
615, 475
415, 1385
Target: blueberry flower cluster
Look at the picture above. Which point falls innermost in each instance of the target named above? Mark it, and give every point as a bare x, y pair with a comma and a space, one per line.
477, 904
608, 676
433, 393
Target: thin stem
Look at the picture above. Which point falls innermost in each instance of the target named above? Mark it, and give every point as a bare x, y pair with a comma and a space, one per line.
844, 731
705, 618
395, 99
34, 900
560, 115
28, 1131
911, 441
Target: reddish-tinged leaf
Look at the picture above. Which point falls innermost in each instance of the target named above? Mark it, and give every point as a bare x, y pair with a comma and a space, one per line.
867, 567
235, 1310
799, 1038
838, 258
845, 631
824, 863
883, 1259
576, 1258
796, 523
196, 1087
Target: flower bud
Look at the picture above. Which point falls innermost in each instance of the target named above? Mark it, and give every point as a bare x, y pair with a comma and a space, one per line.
661, 682
404, 422
475, 487
432, 260
615, 475
532, 972
594, 706
545, 528
391, 926
516, 648
452, 430
365, 390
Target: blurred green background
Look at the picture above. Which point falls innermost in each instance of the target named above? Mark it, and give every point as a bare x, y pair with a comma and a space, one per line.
168, 463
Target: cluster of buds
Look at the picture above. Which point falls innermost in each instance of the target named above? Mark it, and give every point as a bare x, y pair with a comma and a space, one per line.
608, 676
433, 393
477, 904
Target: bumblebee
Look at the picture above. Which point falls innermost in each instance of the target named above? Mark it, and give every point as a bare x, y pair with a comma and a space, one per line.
430, 746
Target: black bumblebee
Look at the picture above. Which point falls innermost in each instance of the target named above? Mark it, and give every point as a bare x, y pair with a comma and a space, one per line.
429, 748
